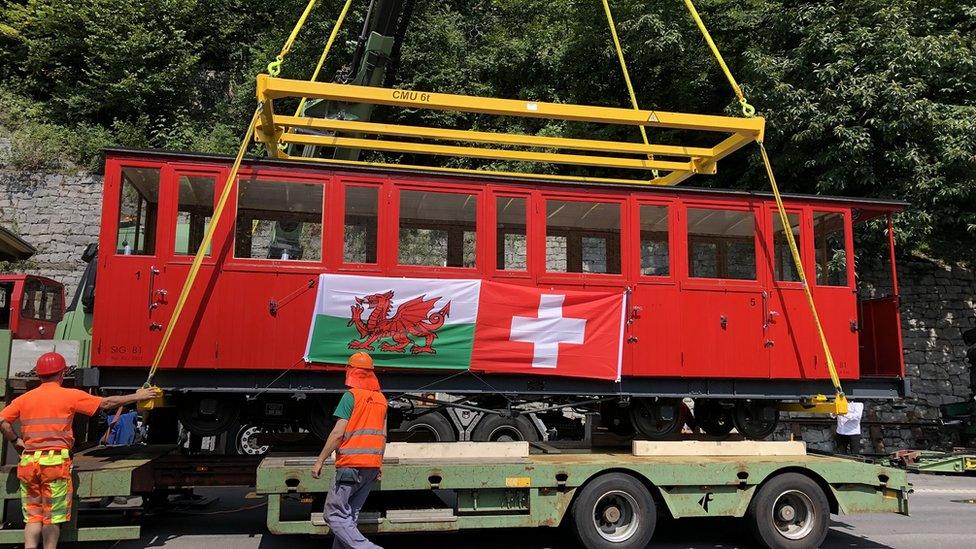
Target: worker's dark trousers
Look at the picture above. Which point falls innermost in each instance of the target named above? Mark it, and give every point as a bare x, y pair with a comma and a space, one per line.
847, 444
342, 505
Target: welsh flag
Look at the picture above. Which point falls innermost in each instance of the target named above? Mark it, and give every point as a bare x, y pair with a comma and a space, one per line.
455, 324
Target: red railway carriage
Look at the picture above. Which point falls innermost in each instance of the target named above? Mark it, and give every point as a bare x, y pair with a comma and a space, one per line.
715, 306
30, 306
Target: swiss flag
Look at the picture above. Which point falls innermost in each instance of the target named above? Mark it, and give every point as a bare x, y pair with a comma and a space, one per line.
525, 330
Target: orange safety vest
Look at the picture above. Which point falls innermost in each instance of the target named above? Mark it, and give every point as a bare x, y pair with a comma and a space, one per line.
365, 436
46, 415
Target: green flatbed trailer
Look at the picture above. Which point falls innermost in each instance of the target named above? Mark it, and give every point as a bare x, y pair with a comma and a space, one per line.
959, 462
610, 499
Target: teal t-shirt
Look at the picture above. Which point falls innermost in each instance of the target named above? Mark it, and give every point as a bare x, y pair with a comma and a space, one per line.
344, 408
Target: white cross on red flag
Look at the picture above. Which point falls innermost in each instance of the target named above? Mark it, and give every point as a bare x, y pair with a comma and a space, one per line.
526, 330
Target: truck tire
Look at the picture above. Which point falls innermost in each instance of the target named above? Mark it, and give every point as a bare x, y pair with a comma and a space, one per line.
790, 511
614, 511
495, 428
430, 427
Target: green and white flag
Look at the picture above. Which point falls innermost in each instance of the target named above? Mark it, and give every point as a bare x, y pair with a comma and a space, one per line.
405, 322
478, 325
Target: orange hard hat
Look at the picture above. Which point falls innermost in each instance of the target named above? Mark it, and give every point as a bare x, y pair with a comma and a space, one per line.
50, 364
361, 360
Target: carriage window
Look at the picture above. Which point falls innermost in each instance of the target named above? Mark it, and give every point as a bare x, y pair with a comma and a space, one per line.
511, 233
359, 244
582, 237
279, 220
831, 252
721, 244
193, 213
655, 256
785, 267
138, 205
437, 229
41, 301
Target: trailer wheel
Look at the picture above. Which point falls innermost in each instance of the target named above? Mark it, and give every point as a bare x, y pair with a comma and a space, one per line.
790, 511
495, 428
246, 441
615, 511
430, 427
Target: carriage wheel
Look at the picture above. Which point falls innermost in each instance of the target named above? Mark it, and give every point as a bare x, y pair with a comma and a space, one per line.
714, 417
756, 419
655, 418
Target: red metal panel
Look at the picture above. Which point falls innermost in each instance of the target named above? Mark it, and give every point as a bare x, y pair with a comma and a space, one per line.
880, 338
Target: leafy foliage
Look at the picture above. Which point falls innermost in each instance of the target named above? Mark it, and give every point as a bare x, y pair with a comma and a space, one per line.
871, 98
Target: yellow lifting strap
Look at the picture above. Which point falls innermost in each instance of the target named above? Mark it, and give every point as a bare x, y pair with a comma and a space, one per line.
748, 110
204, 246
325, 52
839, 405
229, 185
623, 68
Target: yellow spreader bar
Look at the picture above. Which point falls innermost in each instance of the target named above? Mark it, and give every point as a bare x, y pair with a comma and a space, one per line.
680, 162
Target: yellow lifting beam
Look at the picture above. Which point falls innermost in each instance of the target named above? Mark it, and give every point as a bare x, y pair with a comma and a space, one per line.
681, 162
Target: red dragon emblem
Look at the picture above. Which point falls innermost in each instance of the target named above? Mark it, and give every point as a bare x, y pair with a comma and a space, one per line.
412, 318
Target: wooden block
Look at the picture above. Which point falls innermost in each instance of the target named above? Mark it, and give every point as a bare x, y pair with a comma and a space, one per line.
455, 450
719, 448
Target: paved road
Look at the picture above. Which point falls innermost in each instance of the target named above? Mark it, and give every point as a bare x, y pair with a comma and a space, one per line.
942, 518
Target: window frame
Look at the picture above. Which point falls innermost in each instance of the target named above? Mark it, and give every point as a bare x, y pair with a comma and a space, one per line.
394, 227
530, 230
337, 249
112, 203
747, 206
546, 276
674, 218
281, 176
848, 245
805, 242
172, 190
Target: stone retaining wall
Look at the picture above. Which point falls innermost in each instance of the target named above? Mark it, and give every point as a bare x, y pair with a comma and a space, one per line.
57, 214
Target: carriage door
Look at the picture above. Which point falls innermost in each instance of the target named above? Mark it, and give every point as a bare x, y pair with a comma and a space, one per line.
128, 330
722, 298
188, 206
653, 340
834, 288
788, 329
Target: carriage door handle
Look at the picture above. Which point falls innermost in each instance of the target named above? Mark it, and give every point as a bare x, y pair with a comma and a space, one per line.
156, 297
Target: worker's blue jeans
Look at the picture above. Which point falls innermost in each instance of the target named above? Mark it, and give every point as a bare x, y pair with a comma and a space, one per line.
342, 505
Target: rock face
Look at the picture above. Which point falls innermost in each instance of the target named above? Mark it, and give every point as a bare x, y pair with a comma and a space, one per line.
57, 214
60, 215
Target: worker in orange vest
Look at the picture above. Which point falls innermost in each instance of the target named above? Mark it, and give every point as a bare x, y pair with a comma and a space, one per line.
46, 414
359, 439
